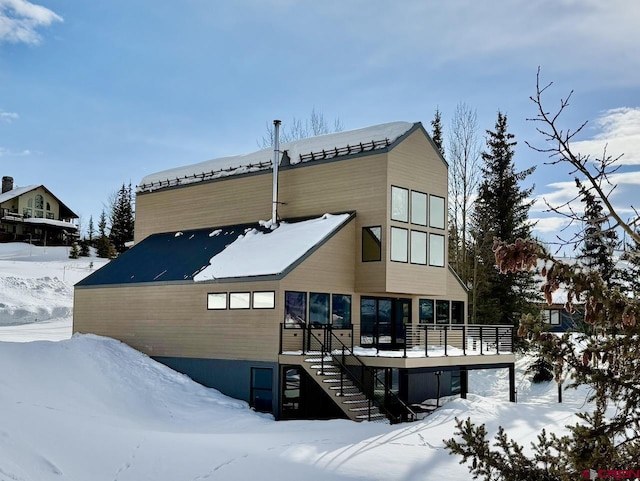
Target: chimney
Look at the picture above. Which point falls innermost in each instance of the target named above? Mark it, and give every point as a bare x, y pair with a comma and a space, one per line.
276, 161
7, 184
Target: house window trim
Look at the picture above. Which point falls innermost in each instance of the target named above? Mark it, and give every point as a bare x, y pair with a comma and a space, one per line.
226, 301
426, 208
406, 191
253, 299
379, 227
406, 231
231, 294
444, 250
444, 211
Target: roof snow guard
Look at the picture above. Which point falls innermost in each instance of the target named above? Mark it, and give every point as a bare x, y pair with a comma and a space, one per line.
339, 144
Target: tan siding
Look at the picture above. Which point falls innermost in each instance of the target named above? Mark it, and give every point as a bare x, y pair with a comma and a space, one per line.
173, 320
415, 165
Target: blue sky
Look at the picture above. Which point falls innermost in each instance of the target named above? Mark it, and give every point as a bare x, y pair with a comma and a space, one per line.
94, 94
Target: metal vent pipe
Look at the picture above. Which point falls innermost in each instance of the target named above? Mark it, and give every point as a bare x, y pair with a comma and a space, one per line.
276, 161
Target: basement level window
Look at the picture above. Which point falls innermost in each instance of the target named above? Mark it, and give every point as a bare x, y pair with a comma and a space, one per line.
217, 300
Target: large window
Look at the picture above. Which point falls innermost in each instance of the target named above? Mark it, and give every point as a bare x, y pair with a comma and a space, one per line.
442, 312
418, 247
341, 311
39, 201
217, 300
399, 204
457, 312
371, 243
426, 311
399, 244
436, 212
264, 300
295, 309
239, 300
436, 250
418, 208
318, 309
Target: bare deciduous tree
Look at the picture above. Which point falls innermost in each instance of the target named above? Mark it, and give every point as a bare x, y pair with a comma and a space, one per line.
297, 129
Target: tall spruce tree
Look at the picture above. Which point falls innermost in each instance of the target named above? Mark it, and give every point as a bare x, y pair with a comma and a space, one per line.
122, 221
104, 247
436, 132
501, 211
599, 241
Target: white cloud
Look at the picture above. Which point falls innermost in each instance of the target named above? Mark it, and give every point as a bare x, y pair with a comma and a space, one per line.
549, 224
8, 117
619, 134
19, 20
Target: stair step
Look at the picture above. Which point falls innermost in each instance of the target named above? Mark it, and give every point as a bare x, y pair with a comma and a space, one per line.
372, 417
356, 401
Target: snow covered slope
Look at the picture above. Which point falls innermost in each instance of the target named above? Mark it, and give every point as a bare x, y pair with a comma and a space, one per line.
91, 408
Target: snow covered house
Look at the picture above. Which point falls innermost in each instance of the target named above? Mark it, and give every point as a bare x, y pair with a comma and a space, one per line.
34, 214
342, 305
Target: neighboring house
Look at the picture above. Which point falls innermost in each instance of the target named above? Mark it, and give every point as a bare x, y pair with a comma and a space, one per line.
344, 307
33, 214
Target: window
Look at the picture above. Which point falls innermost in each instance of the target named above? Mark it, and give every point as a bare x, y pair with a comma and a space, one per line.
217, 300
318, 309
436, 250
341, 311
442, 312
457, 312
551, 316
239, 300
27, 212
262, 389
39, 214
371, 244
399, 244
418, 247
48, 206
30, 202
264, 300
399, 204
418, 208
436, 212
295, 309
49, 215
39, 201
426, 311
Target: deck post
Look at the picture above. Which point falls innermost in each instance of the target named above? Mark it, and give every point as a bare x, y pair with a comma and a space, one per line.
464, 382
512, 383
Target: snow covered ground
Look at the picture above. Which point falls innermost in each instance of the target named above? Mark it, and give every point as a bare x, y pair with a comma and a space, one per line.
91, 408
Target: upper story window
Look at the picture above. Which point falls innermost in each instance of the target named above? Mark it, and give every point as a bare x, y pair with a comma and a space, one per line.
295, 309
551, 316
418, 247
49, 215
399, 204
39, 214
318, 309
30, 202
264, 300
48, 206
371, 243
39, 201
399, 244
239, 300
341, 310
418, 208
436, 212
426, 311
436, 250
217, 300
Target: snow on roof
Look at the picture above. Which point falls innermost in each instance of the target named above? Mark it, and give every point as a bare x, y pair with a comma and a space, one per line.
258, 253
16, 192
323, 146
56, 223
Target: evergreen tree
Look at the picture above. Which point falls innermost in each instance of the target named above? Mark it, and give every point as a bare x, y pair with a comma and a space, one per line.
501, 211
122, 221
631, 274
84, 248
104, 247
90, 230
75, 251
600, 241
436, 136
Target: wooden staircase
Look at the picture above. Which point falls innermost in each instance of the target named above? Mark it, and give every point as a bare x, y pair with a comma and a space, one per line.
347, 396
